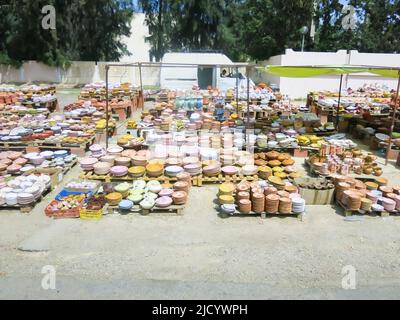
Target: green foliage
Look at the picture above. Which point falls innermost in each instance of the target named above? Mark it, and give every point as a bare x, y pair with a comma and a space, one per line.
259, 29
85, 30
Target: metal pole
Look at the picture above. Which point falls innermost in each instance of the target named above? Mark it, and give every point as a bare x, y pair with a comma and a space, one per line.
302, 44
107, 106
248, 96
393, 122
237, 90
140, 77
338, 105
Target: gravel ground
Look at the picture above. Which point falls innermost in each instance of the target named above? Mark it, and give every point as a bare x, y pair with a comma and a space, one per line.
200, 255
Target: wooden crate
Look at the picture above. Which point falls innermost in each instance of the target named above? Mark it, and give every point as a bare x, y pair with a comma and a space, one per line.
27, 208
349, 213
90, 175
176, 210
201, 179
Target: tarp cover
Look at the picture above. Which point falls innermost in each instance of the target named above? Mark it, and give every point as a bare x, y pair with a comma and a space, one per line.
313, 71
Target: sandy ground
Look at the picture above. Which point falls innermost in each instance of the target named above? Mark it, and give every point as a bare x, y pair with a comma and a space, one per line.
200, 255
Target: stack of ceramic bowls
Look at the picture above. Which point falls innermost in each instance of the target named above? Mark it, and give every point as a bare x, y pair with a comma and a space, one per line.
172, 171
245, 206
180, 197
60, 153
109, 159
130, 153
154, 169
166, 193
11, 199
3, 167
298, 205
185, 176
115, 150
119, 171
137, 171
377, 207
122, 161
37, 160
389, 204
272, 203
385, 190
123, 189
97, 151
163, 202
139, 160
47, 154
181, 186
228, 209
154, 186
249, 170
88, 163
212, 170
125, 205
258, 202
366, 204
113, 198
101, 168
25, 198
353, 200
193, 168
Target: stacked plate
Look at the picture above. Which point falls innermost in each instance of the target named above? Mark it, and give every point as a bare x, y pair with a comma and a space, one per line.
228, 209
172, 171
166, 193
212, 170
298, 204
119, 171
122, 161
25, 198
37, 160
47, 154
11, 199
60, 153
14, 168
164, 202
109, 159
249, 170
97, 151
272, 203
88, 163
193, 168
115, 150
101, 168
125, 205
230, 170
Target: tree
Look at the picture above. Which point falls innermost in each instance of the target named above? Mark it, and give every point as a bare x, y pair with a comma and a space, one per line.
188, 25
85, 30
270, 26
159, 21
380, 28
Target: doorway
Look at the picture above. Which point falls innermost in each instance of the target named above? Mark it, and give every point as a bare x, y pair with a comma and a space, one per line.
205, 77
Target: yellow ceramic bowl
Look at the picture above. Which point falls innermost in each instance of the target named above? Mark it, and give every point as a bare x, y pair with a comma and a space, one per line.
114, 198
281, 175
226, 189
226, 199
154, 169
137, 171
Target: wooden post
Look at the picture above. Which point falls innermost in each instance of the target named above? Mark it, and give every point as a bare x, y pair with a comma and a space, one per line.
389, 147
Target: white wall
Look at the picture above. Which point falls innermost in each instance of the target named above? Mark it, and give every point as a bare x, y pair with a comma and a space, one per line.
299, 87
80, 72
